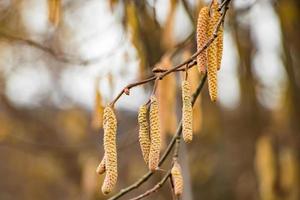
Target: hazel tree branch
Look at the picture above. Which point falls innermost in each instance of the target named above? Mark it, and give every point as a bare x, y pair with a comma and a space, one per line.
176, 138
183, 64
155, 188
62, 57
145, 177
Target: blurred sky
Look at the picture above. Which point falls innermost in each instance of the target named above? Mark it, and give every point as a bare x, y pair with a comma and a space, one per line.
89, 30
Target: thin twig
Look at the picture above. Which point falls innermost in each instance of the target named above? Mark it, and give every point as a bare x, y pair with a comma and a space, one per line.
155, 188
62, 57
146, 176
175, 154
177, 67
177, 135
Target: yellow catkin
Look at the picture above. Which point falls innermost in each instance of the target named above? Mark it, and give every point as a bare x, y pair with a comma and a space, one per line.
97, 118
155, 136
194, 79
187, 113
144, 137
220, 43
202, 25
110, 148
177, 179
289, 173
265, 165
54, 11
101, 167
212, 55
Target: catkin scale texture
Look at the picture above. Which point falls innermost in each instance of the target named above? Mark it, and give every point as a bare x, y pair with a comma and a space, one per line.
144, 132
187, 113
155, 136
177, 179
220, 43
202, 26
212, 53
110, 148
101, 167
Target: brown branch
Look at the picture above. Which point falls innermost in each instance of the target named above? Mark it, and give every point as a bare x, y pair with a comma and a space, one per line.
155, 188
177, 67
175, 156
177, 135
62, 57
145, 177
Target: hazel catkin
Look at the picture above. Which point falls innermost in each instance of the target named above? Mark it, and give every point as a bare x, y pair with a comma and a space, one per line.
187, 112
177, 179
202, 25
212, 54
219, 43
155, 136
144, 132
54, 11
101, 167
110, 148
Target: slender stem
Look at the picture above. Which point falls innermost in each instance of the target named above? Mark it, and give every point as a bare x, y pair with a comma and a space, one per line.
146, 176
178, 67
155, 188
189, 63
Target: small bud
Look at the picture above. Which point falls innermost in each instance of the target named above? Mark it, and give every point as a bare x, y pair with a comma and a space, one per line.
127, 91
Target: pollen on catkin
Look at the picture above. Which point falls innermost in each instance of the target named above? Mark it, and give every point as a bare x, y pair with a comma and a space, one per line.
202, 26
144, 137
110, 148
155, 136
220, 43
187, 112
212, 53
177, 179
101, 167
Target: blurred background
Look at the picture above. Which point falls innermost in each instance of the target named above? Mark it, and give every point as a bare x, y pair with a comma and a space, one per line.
61, 61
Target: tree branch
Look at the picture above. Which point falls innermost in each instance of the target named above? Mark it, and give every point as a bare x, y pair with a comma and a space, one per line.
62, 57
155, 188
176, 137
179, 66
145, 177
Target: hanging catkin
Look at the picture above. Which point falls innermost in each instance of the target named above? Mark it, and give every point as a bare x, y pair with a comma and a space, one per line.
101, 167
177, 179
220, 42
144, 132
202, 25
187, 112
110, 148
155, 136
212, 55
54, 11
97, 118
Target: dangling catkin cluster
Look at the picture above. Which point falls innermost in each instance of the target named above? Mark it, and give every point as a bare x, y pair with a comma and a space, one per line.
213, 54
154, 135
177, 179
187, 112
144, 132
202, 25
211, 58
101, 167
110, 148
